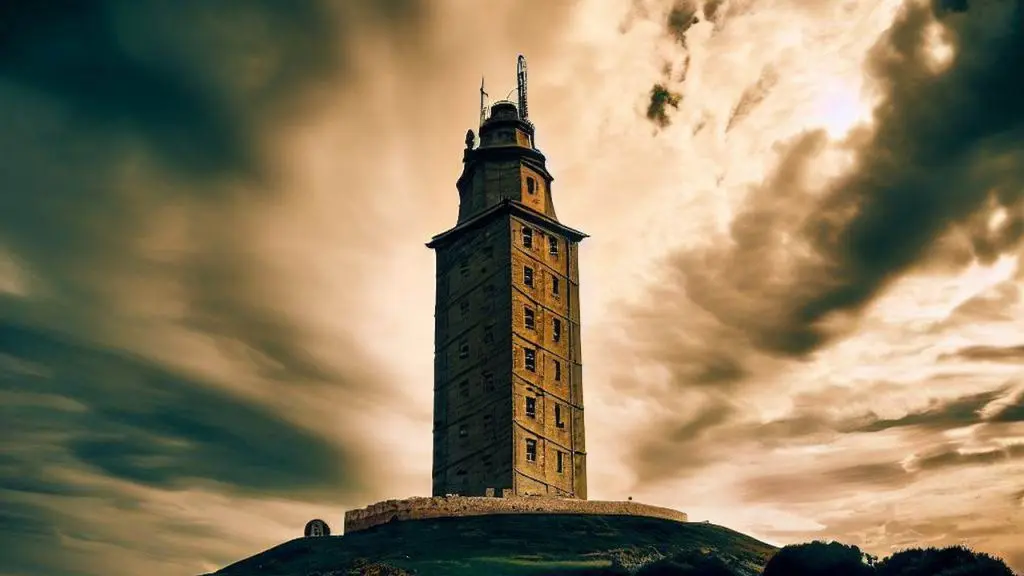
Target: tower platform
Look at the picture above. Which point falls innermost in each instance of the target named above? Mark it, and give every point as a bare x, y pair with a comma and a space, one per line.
460, 506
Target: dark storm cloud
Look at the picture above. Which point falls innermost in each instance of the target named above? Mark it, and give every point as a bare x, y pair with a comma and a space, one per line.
950, 458
142, 422
1013, 354
681, 17
947, 145
115, 115
940, 416
946, 149
718, 430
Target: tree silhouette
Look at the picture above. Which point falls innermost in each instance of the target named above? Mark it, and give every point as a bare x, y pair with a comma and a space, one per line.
950, 561
819, 559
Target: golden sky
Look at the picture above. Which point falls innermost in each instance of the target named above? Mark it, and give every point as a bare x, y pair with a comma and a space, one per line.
801, 298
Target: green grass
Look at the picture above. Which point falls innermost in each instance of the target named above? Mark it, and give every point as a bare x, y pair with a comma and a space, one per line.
502, 545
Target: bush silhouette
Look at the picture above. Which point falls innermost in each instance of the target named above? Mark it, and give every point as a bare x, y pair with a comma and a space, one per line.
950, 561
687, 564
818, 559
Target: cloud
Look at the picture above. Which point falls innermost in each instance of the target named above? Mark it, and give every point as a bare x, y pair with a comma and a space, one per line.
802, 261
142, 422
942, 143
989, 353
681, 17
150, 329
752, 97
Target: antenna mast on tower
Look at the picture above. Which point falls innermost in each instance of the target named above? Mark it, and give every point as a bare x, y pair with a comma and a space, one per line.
521, 76
483, 102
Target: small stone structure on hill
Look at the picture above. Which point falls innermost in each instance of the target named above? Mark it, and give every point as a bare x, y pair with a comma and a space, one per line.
315, 528
459, 506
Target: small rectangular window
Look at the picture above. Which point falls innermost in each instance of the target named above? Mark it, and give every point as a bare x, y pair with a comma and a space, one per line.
488, 334
464, 307
559, 464
555, 288
558, 371
527, 237
464, 388
530, 356
464, 267
489, 380
558, 416
528, 318
464, 349
531, 450
530, 185
531, 407
463, 431
556, 330
552, 246
528, 276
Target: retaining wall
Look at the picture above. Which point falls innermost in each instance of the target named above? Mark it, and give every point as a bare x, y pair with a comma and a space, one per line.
457, 506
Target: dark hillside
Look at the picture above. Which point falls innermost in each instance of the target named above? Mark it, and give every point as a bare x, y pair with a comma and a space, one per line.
514, 544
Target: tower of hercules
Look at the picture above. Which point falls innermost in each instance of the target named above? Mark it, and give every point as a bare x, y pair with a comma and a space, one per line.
508, 395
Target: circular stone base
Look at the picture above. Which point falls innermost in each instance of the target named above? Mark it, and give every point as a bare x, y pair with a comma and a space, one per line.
457, 506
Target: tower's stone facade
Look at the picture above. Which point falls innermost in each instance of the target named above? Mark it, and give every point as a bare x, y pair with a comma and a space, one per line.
508, 396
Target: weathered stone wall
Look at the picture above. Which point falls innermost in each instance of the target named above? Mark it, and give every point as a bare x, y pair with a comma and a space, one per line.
457, 506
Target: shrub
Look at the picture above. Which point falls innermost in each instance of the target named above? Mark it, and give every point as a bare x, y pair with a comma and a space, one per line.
950, 561
687, 564
819, 559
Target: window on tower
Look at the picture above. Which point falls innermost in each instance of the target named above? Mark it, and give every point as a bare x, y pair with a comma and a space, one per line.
464, 349
531, 450
552, 246
530, 357
558, 371
556, 330
528, 276
527, 237
528, 318
558, 416
531, 185
555, 288
531, 407
463, 431
559, 461
464, 267
488, 380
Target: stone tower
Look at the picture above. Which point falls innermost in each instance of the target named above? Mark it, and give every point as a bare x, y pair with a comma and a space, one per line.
508, 396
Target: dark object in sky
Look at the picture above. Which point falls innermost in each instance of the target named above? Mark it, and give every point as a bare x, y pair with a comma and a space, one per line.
661, 99
316, 527
818, 559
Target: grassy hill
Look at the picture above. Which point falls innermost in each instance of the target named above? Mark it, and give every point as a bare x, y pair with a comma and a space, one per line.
500, 545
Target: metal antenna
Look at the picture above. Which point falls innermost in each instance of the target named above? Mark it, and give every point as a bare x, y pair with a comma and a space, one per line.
521, 75
483, 102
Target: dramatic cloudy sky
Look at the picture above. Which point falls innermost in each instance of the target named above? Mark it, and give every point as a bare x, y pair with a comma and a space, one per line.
803, 297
